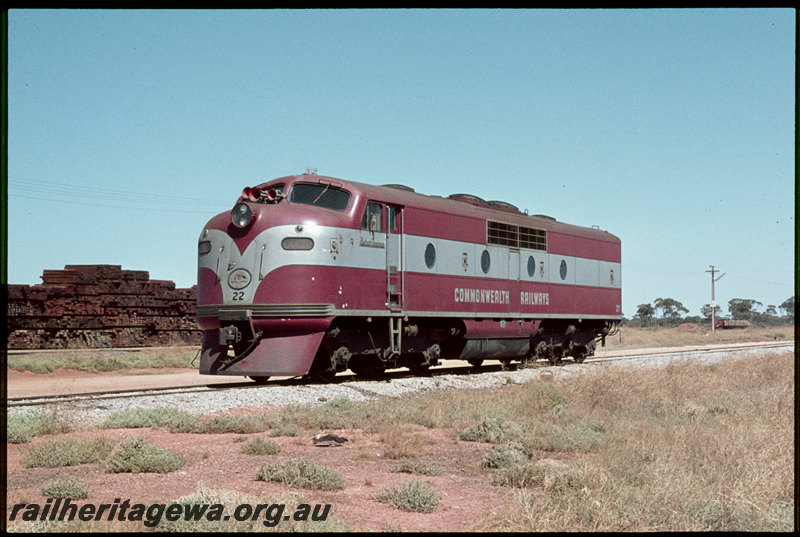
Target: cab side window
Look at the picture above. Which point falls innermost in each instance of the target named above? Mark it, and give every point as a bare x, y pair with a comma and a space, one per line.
391, 218
372, 217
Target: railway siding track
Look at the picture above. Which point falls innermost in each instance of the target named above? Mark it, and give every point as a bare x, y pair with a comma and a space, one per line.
92, 408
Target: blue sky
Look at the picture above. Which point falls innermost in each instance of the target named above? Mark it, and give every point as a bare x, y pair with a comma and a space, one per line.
672, 128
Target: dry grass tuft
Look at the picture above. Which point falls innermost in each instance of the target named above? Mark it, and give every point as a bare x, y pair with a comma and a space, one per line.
402, 442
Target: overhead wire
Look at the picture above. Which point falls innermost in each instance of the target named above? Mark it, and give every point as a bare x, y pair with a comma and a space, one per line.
19, 187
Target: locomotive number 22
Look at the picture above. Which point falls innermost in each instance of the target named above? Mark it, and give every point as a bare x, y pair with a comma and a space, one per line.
238, 295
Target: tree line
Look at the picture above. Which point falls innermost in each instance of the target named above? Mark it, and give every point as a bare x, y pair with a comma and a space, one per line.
670, 312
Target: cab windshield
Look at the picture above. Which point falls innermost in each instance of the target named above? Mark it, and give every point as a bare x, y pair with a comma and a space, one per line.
320, 195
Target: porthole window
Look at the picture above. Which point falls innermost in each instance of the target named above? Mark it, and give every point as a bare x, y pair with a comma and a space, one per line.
531, 266
563, 270
486, 261
430, 255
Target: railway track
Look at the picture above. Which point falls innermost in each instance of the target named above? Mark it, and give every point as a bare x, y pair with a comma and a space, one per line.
356, 384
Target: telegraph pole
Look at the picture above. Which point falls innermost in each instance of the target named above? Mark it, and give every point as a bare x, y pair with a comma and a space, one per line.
713, 302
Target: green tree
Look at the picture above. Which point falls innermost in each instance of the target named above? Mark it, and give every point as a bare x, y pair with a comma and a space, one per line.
705, 311
770, 316
743, 308
671, 309
788, 306
645, 313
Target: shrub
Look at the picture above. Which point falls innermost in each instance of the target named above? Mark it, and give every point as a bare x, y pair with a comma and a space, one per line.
340, 403
505, 456
134, 455
68, 488
547, 395
303, 474
577, 436
493, 430
22, 428
284, 430
545, 474
414, 496
67, 452
178, 421
259, 446
169, 418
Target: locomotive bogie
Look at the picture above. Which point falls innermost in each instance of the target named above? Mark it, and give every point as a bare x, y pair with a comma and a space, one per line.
313, 275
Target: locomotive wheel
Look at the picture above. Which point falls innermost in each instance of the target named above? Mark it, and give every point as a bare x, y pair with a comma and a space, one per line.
322, 375
584, 351
322, 369
368, 368
475, 362
370, 372
260, 380
420, 369
417, 364
580, 354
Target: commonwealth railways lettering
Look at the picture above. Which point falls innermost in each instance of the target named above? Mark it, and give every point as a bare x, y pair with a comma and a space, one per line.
492, 296
481, 296
534, 299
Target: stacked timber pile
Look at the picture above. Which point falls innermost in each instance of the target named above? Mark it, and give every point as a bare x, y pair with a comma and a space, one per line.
100, 306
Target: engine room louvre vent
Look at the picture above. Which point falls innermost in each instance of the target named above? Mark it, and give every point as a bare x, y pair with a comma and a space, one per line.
514, 236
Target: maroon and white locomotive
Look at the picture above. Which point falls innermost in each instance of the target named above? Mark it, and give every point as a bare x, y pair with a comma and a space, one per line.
312, 275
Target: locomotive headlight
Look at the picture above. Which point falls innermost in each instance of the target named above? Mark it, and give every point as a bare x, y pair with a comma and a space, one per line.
241, 215
203, 247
